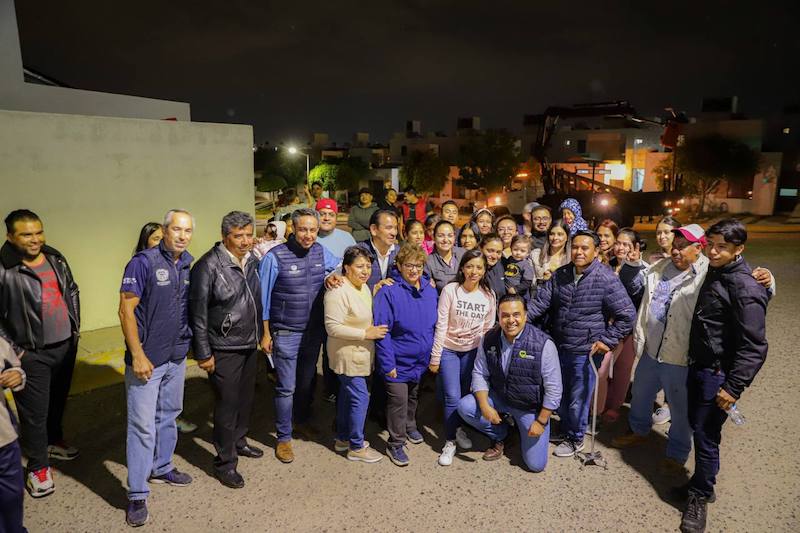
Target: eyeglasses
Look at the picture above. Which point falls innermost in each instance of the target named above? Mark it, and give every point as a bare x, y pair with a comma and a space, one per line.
412, 266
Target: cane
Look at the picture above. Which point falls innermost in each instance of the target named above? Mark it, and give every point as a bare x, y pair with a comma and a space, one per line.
592, 457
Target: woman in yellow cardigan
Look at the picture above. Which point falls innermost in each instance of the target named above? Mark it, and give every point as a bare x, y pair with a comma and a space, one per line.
351, 352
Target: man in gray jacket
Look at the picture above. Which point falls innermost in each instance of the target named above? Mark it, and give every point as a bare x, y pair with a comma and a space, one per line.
360, 215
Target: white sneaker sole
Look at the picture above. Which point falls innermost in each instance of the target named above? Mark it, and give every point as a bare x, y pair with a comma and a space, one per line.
41, 493
363, 459
445, 461
571, 453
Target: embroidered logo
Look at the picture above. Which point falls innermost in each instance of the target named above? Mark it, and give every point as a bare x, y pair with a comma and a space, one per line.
523, 354
162, 276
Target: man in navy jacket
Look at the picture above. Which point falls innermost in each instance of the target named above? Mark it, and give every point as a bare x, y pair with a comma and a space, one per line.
727, 347
590, 313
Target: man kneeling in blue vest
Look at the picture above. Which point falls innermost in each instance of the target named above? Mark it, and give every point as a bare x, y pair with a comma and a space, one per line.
516, 381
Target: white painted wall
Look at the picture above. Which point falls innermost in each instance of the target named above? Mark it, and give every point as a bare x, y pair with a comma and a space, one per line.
96, 180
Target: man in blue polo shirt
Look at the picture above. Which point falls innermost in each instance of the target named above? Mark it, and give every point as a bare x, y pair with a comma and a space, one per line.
292, 278
153, 311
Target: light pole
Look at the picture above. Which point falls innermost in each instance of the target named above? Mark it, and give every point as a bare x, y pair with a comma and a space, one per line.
293, 151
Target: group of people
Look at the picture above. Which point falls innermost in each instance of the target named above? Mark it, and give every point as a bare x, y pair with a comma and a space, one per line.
508, 317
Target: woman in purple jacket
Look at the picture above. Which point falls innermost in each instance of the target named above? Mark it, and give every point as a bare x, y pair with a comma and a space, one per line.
408, 307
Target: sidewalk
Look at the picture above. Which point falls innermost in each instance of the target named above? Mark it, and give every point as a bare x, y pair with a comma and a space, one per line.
755, 224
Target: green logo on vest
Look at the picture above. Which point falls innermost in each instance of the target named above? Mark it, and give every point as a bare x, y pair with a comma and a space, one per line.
523, 354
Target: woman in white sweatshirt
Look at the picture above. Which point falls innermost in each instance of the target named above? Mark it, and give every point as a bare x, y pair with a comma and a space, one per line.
467, 310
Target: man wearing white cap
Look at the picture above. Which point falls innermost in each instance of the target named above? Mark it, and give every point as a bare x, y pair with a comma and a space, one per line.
669, 290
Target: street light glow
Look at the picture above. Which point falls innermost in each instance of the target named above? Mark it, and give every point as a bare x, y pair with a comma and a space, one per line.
292, 150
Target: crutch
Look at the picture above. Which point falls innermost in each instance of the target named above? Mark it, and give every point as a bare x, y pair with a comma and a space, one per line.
592, 457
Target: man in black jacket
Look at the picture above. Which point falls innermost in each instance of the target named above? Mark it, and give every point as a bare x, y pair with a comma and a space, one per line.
225, 315
727, 347
40, 316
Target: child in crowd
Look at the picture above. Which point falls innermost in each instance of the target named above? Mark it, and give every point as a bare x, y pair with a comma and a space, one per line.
430, 223
519, 274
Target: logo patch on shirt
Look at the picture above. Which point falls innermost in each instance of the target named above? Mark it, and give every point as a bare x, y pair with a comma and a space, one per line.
492, 350
293, 268
162, 276
523, 354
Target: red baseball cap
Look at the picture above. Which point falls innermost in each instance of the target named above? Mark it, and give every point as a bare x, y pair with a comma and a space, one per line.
327, 203
692, 233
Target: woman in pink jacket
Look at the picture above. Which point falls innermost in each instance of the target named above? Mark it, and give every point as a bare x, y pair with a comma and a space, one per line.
466, 311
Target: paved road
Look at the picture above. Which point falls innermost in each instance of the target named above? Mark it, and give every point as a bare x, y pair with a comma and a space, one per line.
758, 488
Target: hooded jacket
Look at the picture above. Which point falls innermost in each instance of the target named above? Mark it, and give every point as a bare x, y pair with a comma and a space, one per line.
579, 224
410, 315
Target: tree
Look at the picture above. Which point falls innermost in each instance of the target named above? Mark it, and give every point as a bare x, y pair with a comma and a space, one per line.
489, 161
704, 162
277, 169
424, 171
340, 174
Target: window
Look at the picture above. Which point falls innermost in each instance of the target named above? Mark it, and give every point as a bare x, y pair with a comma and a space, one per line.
637, 142
638, 180
567, 142
581, 146
787, 131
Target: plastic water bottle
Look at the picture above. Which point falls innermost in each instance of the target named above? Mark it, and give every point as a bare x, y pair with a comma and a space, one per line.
735, 415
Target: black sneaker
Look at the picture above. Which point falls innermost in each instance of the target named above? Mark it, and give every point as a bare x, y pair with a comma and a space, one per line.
231, 479
694, 517
137, 514
681, 494
173, 477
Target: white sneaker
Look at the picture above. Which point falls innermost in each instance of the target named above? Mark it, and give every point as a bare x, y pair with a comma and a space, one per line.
661, 416
446, 459
463, 440
40, 482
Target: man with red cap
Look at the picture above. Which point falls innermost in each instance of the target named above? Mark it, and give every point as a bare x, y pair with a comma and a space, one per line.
669, 290
332, 238
336, 241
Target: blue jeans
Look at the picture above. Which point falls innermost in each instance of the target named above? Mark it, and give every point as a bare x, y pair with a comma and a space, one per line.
295, 354
12, 488
351, 410
650, 377
534, 449
153, 406
578, 382
455, 374
706, 419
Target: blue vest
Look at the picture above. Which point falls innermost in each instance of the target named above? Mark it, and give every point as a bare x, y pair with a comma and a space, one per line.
298, 291
522, 387
162, 315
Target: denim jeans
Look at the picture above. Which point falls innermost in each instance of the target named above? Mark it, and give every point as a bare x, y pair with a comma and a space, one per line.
351, 410
534, 449
578, 382
12, 488
295, 354
651, 376
153, 406
455, 375
706, 420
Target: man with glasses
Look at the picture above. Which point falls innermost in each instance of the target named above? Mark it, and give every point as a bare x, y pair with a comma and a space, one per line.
537, 222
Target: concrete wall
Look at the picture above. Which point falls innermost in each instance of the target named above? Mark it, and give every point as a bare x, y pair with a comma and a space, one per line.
95, 181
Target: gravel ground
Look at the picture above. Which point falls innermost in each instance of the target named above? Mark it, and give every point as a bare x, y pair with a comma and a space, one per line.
757, 489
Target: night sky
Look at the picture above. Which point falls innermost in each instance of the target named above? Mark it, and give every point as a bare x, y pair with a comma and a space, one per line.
337, 66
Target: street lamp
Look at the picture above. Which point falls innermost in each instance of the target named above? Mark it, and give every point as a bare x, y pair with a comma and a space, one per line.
293, 150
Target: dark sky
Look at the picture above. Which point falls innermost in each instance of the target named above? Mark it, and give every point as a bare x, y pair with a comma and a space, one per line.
339, 66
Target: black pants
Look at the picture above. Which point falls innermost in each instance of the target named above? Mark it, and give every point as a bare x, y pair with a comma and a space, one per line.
705, 419
12, 488
330, 381
41, 403
234, 382
401, 410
